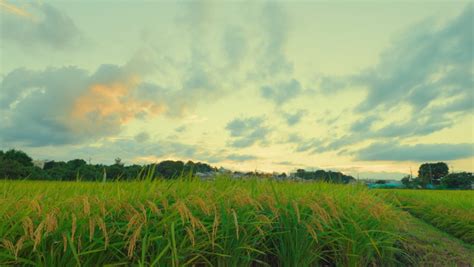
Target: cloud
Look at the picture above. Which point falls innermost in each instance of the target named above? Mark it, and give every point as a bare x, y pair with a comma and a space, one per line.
364, 124
427, 70
90, 106
152, 150
283, 92
287, 163
426, 64
142, 137
294, 118
247, 131
180, 129
140, 151
391, 151
234, 45
15, 10
241, 158
274, 30
332, 84
311, 145
41, 24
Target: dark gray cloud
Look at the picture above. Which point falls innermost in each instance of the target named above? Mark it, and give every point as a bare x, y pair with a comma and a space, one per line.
294, 118
246, 132
30, 109
283, 92
45, 25
91, 106
391, 151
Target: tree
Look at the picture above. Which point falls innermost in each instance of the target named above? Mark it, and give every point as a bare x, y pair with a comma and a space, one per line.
406, 181
131, 172
461, 180
76, 164
54, 164
432, 172
36, 173
170, 169
328, 176
12, 169
18, 156
115, 171
60, 171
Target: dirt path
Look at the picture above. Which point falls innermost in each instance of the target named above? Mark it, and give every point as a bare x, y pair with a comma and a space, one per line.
428, 246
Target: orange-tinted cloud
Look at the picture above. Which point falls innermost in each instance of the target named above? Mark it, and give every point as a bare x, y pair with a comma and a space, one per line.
110, 104
4, 5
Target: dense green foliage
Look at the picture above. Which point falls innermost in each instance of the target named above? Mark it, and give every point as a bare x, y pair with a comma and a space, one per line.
321, 175
437, 176
15, 164
173, 223
461, 180
431, 173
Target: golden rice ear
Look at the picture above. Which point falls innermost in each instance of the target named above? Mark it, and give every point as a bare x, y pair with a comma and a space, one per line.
38, 235
51, 222
133, 241
19, 246
64, 242
103, 228
28, 227
8, 245
86, 206
91, 228
236, 222
73, 226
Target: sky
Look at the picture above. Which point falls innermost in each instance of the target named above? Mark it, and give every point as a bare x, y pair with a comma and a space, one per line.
369, 88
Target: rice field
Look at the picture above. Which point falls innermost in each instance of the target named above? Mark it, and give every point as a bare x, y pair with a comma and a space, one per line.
450, 211
190, 222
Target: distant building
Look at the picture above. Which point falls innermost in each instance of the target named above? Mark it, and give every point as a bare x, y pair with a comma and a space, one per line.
387, 184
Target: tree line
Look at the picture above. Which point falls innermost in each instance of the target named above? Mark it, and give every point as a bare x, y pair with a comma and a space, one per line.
436, 175
16, 164
327, 176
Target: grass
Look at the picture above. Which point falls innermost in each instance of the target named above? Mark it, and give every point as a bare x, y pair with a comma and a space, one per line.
179, 223
450, 211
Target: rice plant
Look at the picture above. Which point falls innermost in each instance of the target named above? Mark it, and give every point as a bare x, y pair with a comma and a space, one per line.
450, 211
191, 222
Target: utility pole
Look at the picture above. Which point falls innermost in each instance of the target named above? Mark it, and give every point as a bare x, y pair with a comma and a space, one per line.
431, 175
